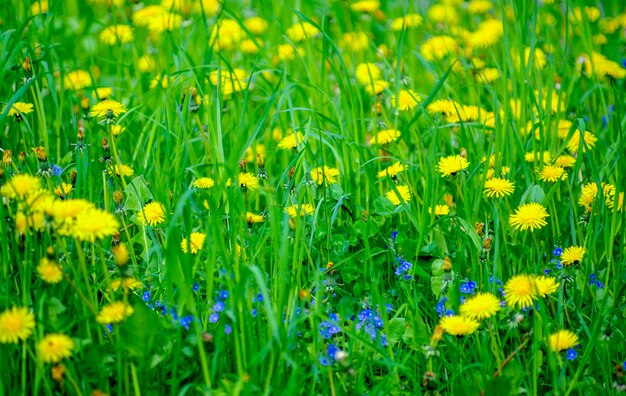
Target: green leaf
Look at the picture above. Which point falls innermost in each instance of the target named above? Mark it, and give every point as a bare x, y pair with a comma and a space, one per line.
137, 193
533, 193
395, 330
138, 331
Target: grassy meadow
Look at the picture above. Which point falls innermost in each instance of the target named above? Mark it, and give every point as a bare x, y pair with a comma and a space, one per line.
328, 197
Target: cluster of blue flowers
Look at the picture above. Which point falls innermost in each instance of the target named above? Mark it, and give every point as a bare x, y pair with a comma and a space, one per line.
161, 308
329, 358
371, 323
441, 308
330, 327
593, 281
403, 266
557, 253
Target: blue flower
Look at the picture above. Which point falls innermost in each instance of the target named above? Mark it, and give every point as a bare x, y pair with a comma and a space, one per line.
254, 312
109, 328
227, 329
328, 328
331, 351
441, 306
557, 251
215, 316
196, 286
324, 361
223, 294
219, 306
186, 321
571, 354
259, 298
468, 287
56, 170
146, 296
394, 235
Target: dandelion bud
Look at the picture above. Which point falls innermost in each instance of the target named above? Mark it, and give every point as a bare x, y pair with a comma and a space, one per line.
40, 153
292, 172
84, 103
50, 252
26, 65
447, 264
480, 229
7, 157
73, 175
118, 197
463, 152
242, 165
58, 372
260, 160
487, 243
304, 294
120, 254
21, 156
80, 136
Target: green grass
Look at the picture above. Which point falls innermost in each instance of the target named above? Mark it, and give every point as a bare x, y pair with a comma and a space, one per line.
327, 268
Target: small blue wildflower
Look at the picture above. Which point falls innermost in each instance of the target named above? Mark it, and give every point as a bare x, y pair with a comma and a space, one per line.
186, 321
571, 354
56, 170
331, 351
441, 306
605, 120
558, 264
259, 298
449, 312
227, 329
557, 251
394, 235
324, 361
219, 306
146, 296
109, 328
215, 316
388, 307
546, 271
196, 286
468, 287
163, 310
223, 294
254, 312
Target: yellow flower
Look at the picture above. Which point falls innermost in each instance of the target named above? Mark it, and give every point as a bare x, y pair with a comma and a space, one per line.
392, 170
248, 181
77, 80
546, 285
16, 324
552, 173
440, 210
63, 190
39, 7
479, 6
301, 31
498, 188
18, 108
438, 47
408, 21
49, 271
367, 73
152, 214
146, 64
407, 99
403, 195
488, 33
520, 291
117, 34
120, 254
324, 175
107, 109
156, 18
444, 13
367, 6
123, 170
126, 283
20, 186
572, 255
300, 210
376, 87
114, 312
204, 183
481, 306
159, 80
589, 142
256, 25
385, 136
116, 130
195, 242
92, 224
55, 347
354, 41
529, 216
252, 218
291, 141
444, 106
458, 325
287, 52
452, 165
562, 340
565, 161
229, 82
